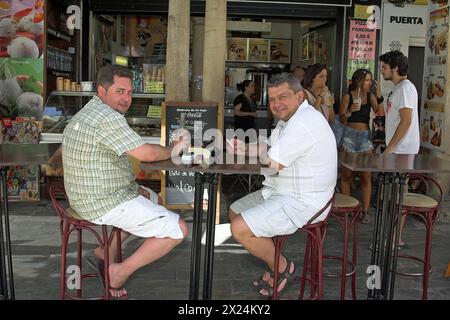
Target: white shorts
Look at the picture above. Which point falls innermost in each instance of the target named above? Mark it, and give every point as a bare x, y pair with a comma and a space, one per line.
143, 218
277, 215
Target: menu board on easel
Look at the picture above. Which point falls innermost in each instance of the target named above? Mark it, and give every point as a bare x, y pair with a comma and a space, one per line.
177, 188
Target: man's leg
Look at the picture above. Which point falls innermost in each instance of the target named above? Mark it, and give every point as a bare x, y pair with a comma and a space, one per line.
151, 250
232, 215
260, 247
124, 235
99, 252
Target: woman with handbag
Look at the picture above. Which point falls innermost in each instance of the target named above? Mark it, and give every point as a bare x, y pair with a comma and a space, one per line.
354, 113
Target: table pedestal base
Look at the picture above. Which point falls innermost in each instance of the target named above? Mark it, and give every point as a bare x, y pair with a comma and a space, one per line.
386, 234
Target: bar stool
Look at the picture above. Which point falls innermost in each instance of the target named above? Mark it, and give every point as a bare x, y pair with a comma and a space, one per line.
427, 209
314, 249
69, 222
346, 211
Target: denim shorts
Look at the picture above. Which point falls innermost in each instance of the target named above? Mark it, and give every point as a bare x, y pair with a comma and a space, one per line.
356, 141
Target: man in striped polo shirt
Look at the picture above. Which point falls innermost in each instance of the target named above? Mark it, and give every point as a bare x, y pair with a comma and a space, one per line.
99, 181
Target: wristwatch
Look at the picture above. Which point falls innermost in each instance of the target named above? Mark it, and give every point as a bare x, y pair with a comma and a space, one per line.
380, 99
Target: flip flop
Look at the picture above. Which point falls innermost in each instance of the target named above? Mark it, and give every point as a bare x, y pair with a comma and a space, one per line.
366, 218
99, 267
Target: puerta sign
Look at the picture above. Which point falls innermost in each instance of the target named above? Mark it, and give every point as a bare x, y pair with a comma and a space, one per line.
192, 116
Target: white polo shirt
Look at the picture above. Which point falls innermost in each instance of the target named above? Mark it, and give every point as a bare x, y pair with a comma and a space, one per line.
306, 146
403, 96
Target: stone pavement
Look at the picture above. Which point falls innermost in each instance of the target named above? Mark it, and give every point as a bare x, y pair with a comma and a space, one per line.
36, 241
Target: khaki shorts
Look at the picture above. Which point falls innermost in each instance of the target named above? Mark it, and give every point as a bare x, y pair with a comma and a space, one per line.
144, 218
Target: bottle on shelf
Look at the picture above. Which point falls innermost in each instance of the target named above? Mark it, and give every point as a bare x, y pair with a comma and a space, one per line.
146, 77
154, 73
137, 78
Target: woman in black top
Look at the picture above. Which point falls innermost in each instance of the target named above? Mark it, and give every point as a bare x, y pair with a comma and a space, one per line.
354, 113
245, 106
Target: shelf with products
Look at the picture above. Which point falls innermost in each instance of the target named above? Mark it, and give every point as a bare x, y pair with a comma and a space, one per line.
60, 35
62, 45
142, 116
148, 76
91, 93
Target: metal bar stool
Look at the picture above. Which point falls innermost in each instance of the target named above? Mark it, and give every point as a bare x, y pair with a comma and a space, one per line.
70, 222
316, 232
426, 208
346, 210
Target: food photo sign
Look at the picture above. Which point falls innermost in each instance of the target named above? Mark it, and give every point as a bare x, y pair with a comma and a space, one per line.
237, 49
22, 43
434, 108
22, 28
280, 50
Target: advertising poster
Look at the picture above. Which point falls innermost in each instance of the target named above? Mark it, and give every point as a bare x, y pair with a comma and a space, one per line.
147, 36
23, 183
432, 119
321, 40
22, 28
304, 41
311, 41
21, 87
237, 49
258, 50
280, 51
361, 47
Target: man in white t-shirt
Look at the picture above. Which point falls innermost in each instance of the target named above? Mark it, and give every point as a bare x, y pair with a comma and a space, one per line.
303, 158
402, 120
402, 117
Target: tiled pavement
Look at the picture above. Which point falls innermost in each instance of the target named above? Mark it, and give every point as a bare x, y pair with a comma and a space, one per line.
36, 239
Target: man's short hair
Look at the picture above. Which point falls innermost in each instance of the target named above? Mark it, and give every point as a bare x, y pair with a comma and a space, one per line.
289, 78
396, 59
105, 76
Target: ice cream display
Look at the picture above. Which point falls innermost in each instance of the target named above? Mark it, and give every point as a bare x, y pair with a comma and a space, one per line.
30, 104
21, 32
23, 47
8, 27
20, 88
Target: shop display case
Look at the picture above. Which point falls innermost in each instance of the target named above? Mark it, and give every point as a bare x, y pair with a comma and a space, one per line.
144, 115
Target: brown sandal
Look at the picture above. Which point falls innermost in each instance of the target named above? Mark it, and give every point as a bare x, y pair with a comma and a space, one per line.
283, 276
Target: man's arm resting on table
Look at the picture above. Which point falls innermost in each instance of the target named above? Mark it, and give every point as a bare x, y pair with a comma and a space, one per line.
258, 149
265, 159
402, 129
151, 152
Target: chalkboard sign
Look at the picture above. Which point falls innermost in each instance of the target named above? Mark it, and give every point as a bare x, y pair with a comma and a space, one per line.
178, 187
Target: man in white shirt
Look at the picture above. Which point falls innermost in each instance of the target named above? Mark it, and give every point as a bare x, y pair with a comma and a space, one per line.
402, 117
302, 155
402, 120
